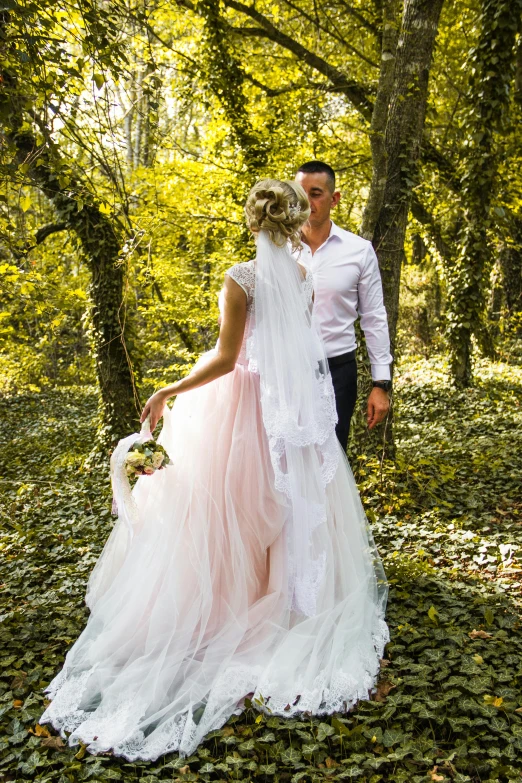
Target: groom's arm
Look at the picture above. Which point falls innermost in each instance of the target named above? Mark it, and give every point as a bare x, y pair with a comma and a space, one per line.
374, 320
374, 323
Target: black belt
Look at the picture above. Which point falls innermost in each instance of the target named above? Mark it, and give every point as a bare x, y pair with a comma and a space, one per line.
344, 358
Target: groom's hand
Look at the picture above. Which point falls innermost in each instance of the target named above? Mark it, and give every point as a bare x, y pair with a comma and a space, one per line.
378, 407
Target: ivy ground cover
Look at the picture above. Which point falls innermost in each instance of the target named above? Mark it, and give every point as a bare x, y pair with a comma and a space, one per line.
447, 516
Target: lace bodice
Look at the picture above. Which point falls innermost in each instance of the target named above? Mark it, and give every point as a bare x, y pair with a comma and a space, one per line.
245, 275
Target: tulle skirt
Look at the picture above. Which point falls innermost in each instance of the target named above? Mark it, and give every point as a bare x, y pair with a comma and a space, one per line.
191, 613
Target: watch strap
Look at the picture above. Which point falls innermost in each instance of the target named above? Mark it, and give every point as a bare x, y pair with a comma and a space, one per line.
386, 385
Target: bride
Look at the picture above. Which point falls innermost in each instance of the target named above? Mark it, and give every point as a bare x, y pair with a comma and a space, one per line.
249, 569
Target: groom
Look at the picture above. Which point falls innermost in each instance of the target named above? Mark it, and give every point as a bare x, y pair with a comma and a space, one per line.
347, 284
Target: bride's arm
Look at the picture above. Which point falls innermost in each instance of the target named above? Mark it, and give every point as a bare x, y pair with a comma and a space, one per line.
230, 338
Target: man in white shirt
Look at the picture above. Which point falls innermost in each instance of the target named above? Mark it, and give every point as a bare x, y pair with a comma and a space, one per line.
347, 284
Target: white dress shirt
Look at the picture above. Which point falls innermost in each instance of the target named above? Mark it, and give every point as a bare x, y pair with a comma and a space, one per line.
347, 284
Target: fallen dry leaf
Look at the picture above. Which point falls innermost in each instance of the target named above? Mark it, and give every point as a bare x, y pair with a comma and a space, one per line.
331, 763
383, 689
81, 752
17, 703
435, 776
479, 634
18, 680
40, 731
55, 743
184, 769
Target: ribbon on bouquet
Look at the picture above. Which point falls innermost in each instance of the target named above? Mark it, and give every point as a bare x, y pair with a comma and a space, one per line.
123, 503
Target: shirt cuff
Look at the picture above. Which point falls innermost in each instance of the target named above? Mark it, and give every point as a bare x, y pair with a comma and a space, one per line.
381, 372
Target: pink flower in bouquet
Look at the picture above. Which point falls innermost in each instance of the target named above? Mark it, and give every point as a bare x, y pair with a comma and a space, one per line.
148, 470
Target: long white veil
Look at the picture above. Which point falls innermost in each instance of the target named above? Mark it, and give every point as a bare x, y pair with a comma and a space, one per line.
298, 407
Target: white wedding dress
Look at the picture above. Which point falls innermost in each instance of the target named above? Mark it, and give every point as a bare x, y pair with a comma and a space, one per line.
204, 605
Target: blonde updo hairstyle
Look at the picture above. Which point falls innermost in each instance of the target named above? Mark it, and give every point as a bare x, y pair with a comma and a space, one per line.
279, 207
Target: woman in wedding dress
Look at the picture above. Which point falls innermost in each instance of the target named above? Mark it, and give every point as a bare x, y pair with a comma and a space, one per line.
248, 568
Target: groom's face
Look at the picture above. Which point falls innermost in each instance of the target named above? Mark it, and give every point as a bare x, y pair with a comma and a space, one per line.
320, 195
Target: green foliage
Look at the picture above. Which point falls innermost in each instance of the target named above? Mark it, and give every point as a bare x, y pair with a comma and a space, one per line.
159, 120
166, 139
447, 521
42, 334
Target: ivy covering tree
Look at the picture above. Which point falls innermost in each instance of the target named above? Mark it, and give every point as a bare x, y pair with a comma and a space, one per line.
491, 65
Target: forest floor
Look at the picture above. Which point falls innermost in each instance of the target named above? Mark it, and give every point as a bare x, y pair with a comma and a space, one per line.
447, 516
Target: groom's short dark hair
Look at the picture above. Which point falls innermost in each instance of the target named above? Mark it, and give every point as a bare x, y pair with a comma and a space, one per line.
318, 167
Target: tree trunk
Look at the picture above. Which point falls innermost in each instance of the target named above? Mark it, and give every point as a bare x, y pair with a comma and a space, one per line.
111, 331
390, 32
511, 264
518, 73
396, 135
492, 65
44, 168
403, 139
137, 157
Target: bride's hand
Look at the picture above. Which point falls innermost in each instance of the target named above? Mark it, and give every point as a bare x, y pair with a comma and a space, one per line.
154, 408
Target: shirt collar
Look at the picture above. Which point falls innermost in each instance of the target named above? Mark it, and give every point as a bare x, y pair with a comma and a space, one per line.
335, 231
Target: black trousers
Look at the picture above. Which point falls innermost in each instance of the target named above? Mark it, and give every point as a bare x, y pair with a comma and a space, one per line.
343, 370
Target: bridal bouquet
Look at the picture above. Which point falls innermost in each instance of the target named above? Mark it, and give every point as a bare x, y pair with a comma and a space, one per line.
136, 455
145, 458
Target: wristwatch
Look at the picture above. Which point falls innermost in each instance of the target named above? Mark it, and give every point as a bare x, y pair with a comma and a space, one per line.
386, 385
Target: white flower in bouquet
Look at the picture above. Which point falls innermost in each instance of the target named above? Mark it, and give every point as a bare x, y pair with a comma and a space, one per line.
157, 459
135, 458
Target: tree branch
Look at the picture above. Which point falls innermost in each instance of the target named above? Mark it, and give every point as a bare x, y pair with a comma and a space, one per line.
331, 32
50, 228
356, 93
421, 214
348, 7
184, 336
430, 154
271, 92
